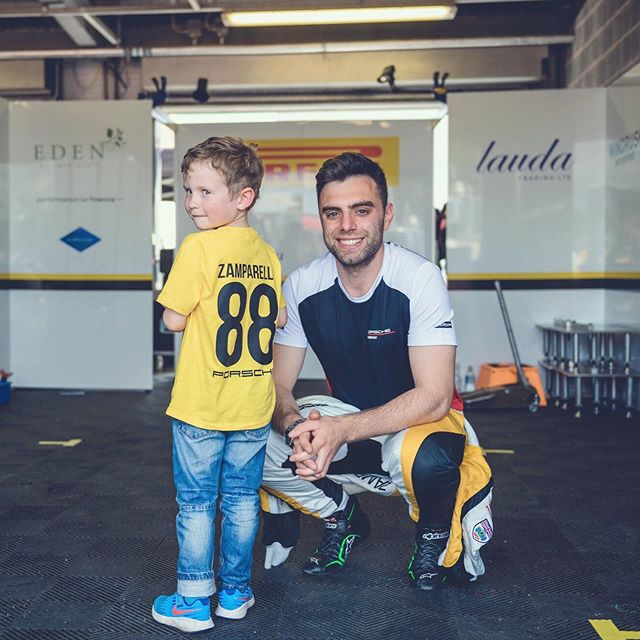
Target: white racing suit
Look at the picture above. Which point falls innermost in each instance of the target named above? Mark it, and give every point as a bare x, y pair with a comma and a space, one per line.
438, 468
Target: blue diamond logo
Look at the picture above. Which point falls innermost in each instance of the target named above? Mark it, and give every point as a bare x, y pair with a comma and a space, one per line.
80, 239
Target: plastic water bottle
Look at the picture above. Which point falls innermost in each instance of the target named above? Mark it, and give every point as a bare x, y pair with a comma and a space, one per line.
469, 379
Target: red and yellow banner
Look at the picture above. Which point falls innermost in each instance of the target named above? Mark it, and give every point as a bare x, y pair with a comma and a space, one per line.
292, 159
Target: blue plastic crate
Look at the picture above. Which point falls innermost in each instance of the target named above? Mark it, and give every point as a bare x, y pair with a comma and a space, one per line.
5, 392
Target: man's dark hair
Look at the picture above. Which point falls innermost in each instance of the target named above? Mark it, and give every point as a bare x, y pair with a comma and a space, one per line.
351, 164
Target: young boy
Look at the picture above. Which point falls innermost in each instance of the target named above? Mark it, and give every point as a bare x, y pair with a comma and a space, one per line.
224, 292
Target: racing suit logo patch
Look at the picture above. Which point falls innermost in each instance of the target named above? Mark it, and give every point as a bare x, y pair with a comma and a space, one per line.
483, 531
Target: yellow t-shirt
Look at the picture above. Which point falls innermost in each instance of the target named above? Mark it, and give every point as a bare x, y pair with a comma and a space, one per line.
228, 282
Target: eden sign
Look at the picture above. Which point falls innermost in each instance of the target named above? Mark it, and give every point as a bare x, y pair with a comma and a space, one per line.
68, 152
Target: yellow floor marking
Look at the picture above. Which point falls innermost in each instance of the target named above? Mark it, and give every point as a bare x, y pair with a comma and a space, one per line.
498, 451
608, 631
61, 443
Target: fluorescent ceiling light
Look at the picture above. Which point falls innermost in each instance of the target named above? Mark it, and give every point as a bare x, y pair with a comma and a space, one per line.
222, 118
426, 111
76, 30
337, 16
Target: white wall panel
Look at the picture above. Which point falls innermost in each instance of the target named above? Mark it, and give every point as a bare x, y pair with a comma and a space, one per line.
82, 340
622, 243
509, 214
81, 315
623, 180
81, 164
5, 352
536, 218
623, 307
5, 362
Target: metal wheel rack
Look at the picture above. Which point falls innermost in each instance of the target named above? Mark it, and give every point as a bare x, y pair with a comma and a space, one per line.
598, 356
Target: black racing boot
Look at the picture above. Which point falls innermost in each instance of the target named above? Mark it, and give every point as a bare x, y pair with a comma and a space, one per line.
341, 531
424, 569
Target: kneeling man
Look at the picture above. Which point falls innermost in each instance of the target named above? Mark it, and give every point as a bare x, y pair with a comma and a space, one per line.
379, 319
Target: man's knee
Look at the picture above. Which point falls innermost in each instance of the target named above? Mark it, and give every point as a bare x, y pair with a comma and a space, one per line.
423, 453
437, 459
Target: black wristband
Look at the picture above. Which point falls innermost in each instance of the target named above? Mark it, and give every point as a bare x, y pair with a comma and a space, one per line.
289, 429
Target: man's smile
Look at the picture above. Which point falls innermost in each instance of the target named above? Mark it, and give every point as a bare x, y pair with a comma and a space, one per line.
350, 242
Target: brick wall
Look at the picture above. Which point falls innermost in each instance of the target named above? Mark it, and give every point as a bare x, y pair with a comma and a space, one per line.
607, 42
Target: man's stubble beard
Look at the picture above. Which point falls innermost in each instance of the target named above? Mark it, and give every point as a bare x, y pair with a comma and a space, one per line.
357, 262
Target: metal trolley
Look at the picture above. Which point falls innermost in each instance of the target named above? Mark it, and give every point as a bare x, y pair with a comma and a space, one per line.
599, 355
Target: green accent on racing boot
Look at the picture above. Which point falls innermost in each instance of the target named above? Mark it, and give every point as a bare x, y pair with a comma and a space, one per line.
341, 531
424, 568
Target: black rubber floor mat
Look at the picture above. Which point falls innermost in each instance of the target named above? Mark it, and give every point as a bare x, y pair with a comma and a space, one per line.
87, 535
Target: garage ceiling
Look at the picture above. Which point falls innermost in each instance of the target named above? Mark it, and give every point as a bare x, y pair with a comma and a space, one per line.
487, 45
87, 27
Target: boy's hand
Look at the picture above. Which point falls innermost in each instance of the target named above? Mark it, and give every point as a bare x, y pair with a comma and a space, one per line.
282, 318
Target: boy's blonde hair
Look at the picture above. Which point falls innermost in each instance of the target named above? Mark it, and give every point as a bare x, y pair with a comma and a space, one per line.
237, 162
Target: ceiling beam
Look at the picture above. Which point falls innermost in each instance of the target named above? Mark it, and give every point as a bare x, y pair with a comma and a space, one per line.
17, 11
72, 25
75, 28
278, 49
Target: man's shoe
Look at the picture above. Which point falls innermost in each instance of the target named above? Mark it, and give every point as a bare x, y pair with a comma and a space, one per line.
234, 603
424, 569
186, 614
341, 531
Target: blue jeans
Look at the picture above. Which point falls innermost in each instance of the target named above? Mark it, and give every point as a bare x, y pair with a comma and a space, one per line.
207, 465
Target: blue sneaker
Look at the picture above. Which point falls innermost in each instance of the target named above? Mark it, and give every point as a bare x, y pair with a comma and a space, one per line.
234, 603
186, 614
